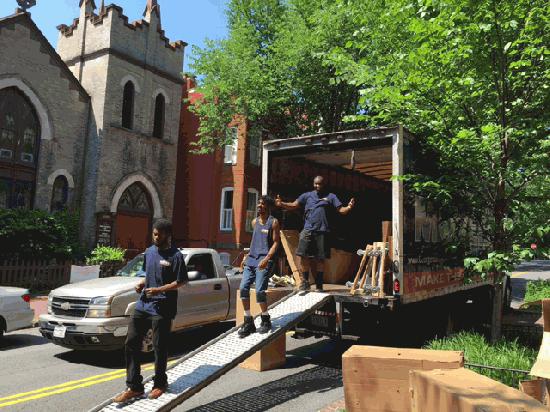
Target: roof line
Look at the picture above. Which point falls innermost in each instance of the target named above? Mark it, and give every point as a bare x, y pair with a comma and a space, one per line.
53, 53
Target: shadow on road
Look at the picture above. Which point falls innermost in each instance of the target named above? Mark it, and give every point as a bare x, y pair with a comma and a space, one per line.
318, 379
180, 344
20, 340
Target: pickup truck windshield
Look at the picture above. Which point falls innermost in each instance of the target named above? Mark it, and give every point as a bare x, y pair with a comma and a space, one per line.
134, 267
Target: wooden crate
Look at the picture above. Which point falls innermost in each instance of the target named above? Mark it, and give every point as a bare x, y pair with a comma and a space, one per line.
466, 391
377, 378
273, 355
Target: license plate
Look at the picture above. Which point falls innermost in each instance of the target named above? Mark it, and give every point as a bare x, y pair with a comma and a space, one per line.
59, 331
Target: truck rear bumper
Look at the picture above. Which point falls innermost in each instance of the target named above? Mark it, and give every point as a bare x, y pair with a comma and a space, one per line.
86, 334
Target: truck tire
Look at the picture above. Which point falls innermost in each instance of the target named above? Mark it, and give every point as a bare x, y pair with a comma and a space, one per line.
3, 327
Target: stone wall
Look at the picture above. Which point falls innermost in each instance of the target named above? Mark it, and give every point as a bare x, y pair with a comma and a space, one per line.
29, 63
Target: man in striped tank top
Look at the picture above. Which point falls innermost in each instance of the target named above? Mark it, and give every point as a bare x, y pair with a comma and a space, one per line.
258, 265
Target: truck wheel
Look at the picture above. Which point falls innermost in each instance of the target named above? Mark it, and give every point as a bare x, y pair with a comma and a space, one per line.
2, 327
147, 346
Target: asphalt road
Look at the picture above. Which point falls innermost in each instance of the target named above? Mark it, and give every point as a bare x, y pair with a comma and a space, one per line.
37, 375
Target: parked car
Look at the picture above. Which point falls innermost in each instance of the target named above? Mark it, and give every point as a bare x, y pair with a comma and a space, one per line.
15, 309
94, 314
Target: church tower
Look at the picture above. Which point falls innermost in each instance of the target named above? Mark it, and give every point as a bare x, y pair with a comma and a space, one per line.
133, 74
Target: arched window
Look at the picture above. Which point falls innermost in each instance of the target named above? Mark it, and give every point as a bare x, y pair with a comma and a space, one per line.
158, 124
19, 143
60, 194
128, 105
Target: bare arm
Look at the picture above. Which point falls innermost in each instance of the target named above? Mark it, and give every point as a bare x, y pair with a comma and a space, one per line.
165, 288
345, 210
286, 205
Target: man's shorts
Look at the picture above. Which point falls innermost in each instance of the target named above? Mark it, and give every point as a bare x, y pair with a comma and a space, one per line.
314, 245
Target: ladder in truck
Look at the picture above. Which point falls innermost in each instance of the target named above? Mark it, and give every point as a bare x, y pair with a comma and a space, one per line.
198, 369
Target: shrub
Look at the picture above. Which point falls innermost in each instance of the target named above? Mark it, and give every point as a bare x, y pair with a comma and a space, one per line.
504, 354
102, 254
537, 290
36, 234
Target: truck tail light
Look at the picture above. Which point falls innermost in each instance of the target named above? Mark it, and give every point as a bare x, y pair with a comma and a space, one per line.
396, 286
26, 297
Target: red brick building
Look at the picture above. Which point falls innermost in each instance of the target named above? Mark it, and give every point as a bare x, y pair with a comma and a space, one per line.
216, 194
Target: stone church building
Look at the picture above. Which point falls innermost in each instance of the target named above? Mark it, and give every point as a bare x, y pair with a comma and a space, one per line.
92, 126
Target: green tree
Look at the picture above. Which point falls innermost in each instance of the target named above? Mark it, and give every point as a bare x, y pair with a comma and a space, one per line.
271, 70
470, 79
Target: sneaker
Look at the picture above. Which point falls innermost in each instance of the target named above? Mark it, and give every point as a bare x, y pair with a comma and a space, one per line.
127, 396
156, 393
247, 328
304, 288
266, 324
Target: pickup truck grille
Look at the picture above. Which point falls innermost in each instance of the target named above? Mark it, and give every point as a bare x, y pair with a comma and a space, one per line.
74, 308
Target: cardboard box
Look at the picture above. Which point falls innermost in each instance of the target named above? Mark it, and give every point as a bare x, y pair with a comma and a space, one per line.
465, 391
377, 378
273, 355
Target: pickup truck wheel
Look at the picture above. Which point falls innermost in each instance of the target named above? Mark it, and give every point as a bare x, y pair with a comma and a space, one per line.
147, 345
2, 327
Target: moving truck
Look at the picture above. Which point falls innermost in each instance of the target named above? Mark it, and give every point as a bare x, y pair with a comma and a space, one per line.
424, 286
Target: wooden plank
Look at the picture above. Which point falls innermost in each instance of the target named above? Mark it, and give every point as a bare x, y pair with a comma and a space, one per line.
289, 239
364, 260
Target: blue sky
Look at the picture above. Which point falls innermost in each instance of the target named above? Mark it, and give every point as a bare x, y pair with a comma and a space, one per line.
189, 20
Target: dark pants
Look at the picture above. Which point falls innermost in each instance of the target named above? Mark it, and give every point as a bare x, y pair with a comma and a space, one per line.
140, 323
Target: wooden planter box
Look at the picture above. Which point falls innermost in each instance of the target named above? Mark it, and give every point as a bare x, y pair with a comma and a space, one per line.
35, 274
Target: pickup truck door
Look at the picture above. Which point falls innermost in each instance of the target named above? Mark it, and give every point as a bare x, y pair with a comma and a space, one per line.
205, 298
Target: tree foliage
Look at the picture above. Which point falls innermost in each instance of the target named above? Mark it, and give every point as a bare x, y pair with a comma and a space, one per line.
271, 70
470, 79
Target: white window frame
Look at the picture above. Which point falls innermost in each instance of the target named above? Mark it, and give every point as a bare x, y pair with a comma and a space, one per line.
251, 214
226, 215
255, 150
230, 150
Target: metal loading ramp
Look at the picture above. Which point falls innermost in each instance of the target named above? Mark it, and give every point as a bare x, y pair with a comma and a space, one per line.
201, 367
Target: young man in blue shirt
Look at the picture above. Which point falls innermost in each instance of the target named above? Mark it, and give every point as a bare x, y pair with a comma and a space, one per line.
165, 272
258, 265
314, 246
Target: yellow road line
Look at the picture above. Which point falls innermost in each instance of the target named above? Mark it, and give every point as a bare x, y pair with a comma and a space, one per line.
68, 386
518, 274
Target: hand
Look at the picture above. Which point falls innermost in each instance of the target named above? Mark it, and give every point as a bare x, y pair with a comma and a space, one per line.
351, 203
152, 292
263, 264
278, 201
139, 287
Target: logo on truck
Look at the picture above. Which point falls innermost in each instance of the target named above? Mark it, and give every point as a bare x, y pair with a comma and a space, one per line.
65, 306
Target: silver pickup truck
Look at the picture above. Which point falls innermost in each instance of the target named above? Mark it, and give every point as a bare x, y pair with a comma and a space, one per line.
94, 314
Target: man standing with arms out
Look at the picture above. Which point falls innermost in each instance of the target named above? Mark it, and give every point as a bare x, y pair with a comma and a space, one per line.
258, 265
314, 246
165, 272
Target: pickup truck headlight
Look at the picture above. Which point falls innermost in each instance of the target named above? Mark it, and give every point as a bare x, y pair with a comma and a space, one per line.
101, 300
99, 313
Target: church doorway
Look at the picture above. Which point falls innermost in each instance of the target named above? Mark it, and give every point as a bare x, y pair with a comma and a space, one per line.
134, 220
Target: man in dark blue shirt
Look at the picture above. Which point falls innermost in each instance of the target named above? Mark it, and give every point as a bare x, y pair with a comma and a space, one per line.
313, 246
165, 272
